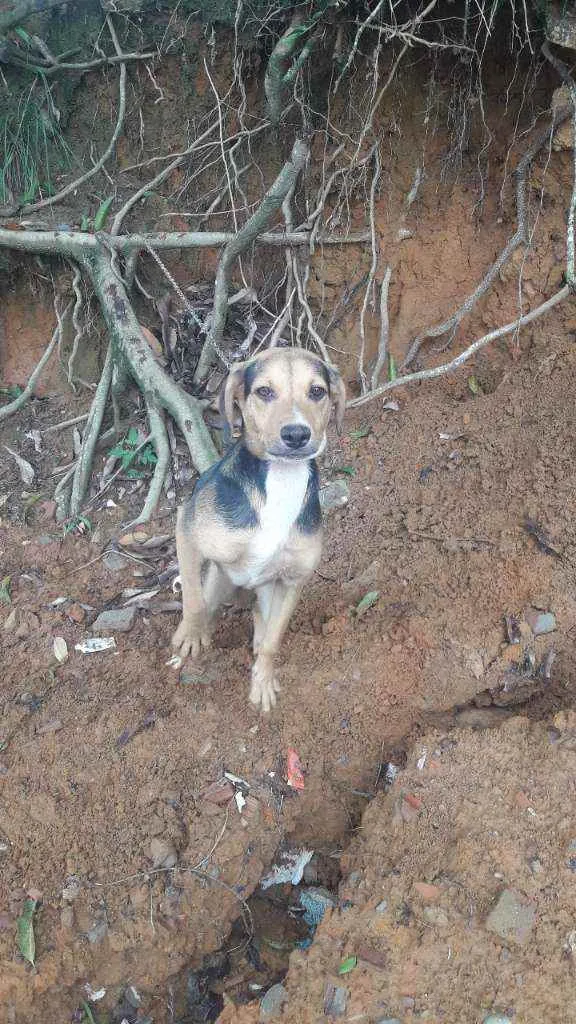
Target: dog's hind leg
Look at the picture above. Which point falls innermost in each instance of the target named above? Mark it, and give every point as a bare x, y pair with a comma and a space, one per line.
280, 604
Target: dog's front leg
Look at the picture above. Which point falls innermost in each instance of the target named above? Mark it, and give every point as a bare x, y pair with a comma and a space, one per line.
193, 633
277, 602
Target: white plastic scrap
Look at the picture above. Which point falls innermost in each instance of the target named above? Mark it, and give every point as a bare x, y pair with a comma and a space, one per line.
391, 773
60, 648
95, 644
291, 868
421, 760
236, 780
94, 995
240, 800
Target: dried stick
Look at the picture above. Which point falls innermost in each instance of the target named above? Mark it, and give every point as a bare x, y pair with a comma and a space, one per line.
90, 436
444, 368
159, 437
78, 330
373, 267
246, 236
384, 328
518, 238
74, 185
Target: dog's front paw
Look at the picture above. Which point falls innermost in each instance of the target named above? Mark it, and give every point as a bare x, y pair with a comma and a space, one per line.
190, 638
264, 686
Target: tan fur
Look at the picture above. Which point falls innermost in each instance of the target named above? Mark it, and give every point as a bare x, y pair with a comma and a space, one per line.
203, 536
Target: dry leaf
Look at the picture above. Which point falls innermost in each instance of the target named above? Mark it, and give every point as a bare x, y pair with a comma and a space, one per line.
26, 470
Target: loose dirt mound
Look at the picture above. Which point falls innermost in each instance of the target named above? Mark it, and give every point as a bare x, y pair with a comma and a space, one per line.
458, 900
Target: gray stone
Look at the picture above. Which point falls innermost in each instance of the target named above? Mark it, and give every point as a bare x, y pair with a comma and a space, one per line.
334, 495
389, 1020
114, 561
540, 622
513, 917
496, 1018
115, 620
335, 1000
272, 1002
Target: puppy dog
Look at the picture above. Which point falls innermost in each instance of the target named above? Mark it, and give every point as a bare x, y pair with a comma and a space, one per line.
253, 520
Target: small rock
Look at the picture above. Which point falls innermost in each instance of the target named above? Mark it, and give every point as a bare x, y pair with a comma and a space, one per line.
540, 622
335, 1000
272, 1002
429, 893
115, 620
76, 612
220, 792
389, 1020
97, 932
334, 495
536, 866
12, 621
496, 1018
436, 916
513, 917
163, 853
381, 907
114, 561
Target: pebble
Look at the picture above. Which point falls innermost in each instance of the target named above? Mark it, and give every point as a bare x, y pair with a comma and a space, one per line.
272, 1002
389, 1020
540, 622
496, 1018
513, 917
114, 561
163, 853
76, 612
334, 495
335, 1000
115, 620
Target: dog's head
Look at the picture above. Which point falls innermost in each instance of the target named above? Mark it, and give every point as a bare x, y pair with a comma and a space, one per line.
285, 397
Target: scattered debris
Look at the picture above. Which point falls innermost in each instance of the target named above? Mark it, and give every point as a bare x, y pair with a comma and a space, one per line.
5, 597
541, 537
147, 722
335, 1000
513, 917
220, 792
26, 941
294, 770
272, 1002
94, 995
540, 622
367, 601
60, 648
334, 495
391, 405
114, 561
26, 470
95, 644
289, 869
163, 853
348, 965
115, 620
513, 634
240, 800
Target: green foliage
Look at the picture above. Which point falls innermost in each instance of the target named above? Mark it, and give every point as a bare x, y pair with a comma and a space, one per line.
33, 149
134, 463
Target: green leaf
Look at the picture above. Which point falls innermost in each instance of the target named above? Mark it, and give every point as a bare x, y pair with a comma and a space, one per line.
85, 222
117, 451
23, 36
26, 943
5, 590
345, 470
356, 435
102, 213
348, 965
392, 372
367, 601
474, 386
132, 437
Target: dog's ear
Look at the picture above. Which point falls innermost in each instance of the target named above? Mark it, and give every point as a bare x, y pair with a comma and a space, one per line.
337, 394
233, 392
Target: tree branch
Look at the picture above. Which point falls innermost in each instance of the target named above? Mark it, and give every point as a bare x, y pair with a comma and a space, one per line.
248, 234
444, 368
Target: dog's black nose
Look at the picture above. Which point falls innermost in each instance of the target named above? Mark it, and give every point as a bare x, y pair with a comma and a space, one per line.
295, 435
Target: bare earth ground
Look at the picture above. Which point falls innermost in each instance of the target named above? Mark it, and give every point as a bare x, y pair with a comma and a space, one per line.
105, 760
437, 526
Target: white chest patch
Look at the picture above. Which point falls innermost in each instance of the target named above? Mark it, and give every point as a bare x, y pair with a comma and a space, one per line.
286, 485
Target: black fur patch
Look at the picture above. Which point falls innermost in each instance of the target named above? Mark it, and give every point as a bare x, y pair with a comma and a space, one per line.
237, 473
323, 371
310, 517
250, 374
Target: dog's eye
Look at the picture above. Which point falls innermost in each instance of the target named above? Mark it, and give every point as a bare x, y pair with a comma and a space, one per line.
266, 393
316, 392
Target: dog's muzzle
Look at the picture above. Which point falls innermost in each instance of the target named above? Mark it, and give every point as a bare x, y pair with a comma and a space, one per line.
295, 435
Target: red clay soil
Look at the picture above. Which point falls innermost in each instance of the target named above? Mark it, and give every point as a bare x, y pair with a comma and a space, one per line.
108, 752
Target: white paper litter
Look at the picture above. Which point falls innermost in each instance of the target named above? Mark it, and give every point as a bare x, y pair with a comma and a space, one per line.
290, 869
60, 648
95, 644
